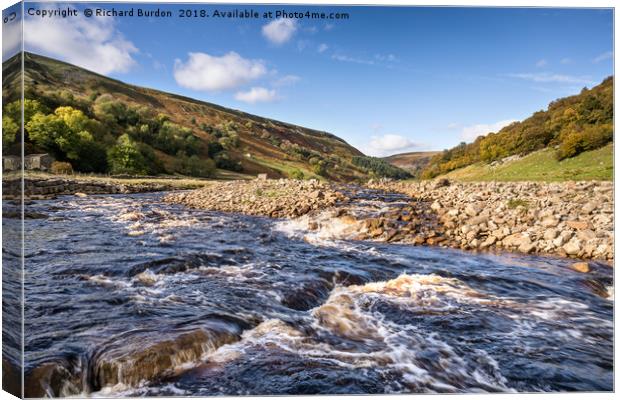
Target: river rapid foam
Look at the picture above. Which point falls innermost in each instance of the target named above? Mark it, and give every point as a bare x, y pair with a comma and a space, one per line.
128, 296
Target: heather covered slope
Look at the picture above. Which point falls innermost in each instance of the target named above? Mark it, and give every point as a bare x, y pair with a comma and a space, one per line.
413, 162
169, 133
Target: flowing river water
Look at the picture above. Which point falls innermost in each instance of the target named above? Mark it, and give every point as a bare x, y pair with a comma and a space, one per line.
129, 296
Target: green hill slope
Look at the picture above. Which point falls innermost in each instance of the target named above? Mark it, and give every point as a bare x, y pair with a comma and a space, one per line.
542, 165
570, 126
102, 125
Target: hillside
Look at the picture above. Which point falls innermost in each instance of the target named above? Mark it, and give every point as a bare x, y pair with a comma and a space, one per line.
570, 126
542, 165
413, 162
102, 125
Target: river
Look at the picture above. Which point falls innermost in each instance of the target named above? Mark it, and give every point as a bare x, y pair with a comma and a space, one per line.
129, 296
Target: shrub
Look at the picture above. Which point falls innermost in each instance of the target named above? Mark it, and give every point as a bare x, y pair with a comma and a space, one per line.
297, 174
514, 203
61, 168
194, 165
214, 148
224, 162
320, 168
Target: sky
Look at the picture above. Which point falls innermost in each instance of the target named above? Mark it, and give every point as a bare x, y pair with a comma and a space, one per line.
385, 79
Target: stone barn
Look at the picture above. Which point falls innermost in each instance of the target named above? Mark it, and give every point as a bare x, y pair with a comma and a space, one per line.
11, 163
41, 162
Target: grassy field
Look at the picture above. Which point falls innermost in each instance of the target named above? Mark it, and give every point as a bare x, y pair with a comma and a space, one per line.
542, 166
287, 169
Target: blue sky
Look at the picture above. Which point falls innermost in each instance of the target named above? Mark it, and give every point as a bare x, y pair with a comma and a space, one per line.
387, 80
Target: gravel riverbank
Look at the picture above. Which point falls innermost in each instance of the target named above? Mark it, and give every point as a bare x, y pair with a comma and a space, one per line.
570, 219
273, 198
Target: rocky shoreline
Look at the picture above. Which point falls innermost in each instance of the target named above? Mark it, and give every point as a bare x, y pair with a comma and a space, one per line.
568, 219
571, 219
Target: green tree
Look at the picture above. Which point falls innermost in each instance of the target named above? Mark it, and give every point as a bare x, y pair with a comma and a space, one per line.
51, 133
126, 158
194, 165
9, 132
223, 161
31, 107
66, 134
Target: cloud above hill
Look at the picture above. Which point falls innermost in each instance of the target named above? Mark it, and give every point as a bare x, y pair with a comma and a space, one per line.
389, 144
257, 95
205, 72
91, 43
470, 133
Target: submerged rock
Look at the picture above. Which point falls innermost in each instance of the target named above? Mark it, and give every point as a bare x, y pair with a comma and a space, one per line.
130, 362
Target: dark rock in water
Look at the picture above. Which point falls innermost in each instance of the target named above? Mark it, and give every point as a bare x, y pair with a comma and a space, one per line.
56, 378
130, 361
310, 295
173, 265
16, 214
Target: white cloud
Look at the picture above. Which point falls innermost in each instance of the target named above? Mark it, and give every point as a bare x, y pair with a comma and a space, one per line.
389, 144
602, 57
566, 60
91, 43
470, 133
257, 95
453, 125
286, 80
328, 27
384, 60
280, 30
322, 47
206, 72
541, 63
343, 58
554, 78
